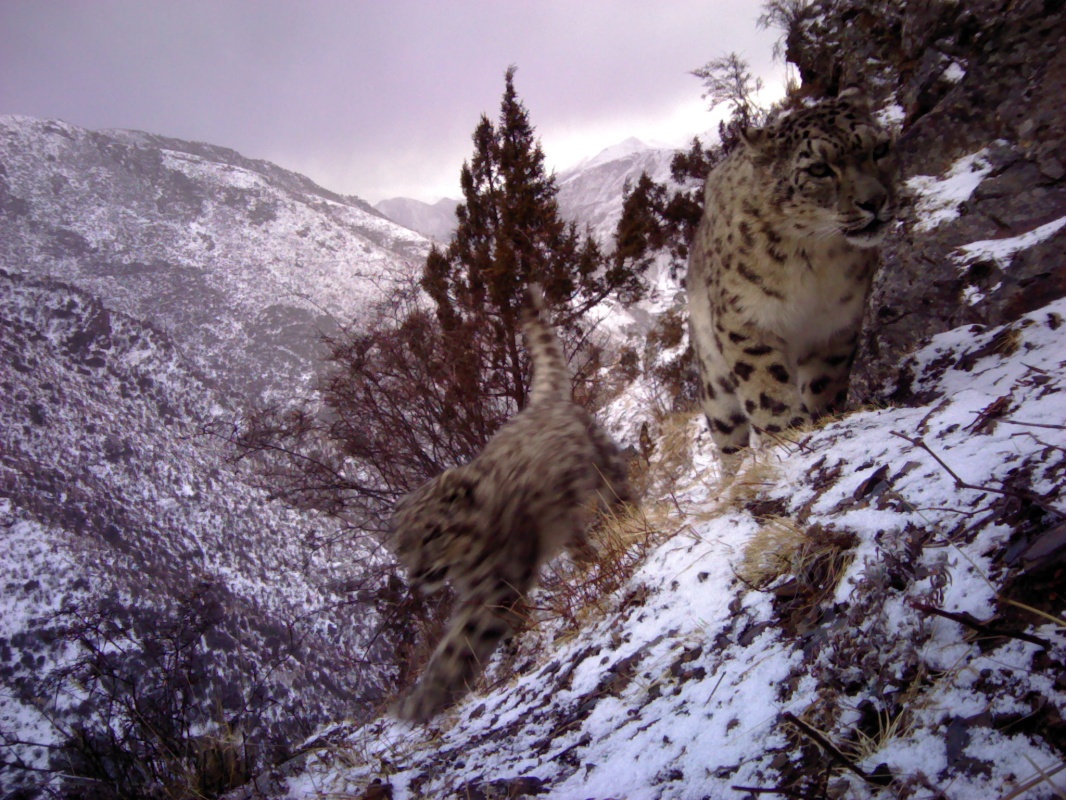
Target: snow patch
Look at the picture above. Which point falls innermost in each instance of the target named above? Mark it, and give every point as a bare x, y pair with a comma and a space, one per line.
1002, 251
954, 73
938, 199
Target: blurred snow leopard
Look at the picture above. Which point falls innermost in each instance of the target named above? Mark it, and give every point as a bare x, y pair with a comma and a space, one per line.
486, 527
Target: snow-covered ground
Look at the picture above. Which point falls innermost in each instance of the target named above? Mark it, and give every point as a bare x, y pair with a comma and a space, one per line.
685, 688
940, 197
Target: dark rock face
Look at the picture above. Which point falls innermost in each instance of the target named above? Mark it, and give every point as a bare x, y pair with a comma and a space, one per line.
984, 76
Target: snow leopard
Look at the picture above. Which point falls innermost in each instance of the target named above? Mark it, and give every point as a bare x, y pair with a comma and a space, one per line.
487, 526
781, 266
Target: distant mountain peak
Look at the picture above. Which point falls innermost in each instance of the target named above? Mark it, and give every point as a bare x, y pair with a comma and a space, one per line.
435, 220
591, 192
616, 152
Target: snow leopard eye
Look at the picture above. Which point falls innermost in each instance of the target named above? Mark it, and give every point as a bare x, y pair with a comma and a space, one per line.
881, 150
819, 170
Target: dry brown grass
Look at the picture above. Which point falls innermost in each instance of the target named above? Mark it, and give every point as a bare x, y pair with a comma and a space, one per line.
813, 557
669, 460
577, 591
776, 549
758, 472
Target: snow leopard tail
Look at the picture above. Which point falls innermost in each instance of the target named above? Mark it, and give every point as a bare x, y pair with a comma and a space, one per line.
551, 374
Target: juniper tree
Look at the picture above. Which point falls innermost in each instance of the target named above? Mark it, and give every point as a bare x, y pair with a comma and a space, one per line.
510, 234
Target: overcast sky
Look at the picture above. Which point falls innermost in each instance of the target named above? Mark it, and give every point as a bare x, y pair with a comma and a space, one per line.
377, 98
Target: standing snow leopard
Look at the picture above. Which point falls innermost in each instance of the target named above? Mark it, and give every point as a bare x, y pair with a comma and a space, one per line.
487, 526
781, 266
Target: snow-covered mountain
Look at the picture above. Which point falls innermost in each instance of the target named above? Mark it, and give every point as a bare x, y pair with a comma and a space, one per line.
873, 609
591, 192
239, 261
148, 289
435, 220
134, 561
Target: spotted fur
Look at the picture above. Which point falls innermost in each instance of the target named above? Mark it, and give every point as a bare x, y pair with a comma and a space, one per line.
781, 266
486, 527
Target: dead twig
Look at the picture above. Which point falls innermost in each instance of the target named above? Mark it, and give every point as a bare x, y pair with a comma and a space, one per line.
834, 752
990, 414
961, 484
1043, 776
773, 790
970, 621
1034, 424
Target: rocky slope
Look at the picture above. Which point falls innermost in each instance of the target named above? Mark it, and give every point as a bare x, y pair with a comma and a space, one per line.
872, 610
977, 90
148, 288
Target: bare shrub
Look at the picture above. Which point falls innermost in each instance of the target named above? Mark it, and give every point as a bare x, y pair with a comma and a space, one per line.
136, 714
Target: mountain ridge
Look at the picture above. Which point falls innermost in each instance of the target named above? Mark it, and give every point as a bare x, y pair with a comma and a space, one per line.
590, 192
435, 220
184, 237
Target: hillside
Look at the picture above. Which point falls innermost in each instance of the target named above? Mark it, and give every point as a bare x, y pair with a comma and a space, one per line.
240, 262
872, 609
810, 590
123, 530
149, 288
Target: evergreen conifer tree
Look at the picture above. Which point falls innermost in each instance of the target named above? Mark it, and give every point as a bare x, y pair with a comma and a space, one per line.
411, 391
509, 235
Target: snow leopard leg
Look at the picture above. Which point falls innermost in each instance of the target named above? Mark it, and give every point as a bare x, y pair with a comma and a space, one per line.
824, 374
721, 405
766, 382
475, 630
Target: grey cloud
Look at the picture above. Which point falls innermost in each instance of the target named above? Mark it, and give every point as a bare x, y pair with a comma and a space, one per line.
345, 90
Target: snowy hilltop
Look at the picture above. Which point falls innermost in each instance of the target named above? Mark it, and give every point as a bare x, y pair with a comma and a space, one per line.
591, 192
435, 220
241, 261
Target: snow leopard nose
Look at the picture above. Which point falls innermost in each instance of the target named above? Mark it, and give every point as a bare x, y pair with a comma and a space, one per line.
869, 194
872, 200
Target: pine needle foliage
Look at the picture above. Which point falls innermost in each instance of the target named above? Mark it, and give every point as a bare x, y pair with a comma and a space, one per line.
510, 234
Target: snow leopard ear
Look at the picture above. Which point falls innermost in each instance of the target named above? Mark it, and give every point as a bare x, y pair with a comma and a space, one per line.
761, 142
753, 137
